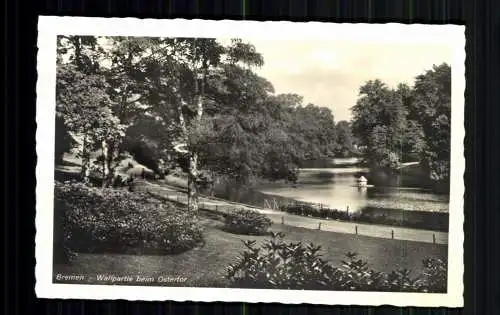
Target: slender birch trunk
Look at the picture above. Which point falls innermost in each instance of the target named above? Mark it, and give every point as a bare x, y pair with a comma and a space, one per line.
193, 167
193, 204
112, 164
194, 172
105, 163
85, 172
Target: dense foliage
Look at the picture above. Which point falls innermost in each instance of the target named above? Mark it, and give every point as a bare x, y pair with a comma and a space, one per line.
248, 222
95, 220
199, 105
431, 110
277, 264
345, 144
407, 124
196, 104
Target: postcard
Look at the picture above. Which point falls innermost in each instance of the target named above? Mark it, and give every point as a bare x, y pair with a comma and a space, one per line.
244, 161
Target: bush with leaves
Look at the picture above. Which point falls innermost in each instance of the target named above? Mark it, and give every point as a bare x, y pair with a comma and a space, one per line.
434, 278
111, 220
309, 210
355, 275
248, 222
280, 265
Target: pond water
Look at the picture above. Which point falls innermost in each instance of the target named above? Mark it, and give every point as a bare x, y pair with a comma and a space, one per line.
337, 188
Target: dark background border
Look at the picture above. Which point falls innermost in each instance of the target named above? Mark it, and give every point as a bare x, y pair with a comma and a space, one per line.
482, 294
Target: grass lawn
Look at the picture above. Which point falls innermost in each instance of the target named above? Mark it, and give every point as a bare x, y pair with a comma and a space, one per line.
205, 266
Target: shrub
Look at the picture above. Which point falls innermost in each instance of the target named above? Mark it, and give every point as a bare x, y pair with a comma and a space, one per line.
247, 222
308, 210
280, 265
356, 275
95, 219
434, 277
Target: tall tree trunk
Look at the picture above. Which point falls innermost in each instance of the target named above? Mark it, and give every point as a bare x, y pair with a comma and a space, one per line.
193, 174
85, 172
193, 204
105, 164
193, 167
113, 163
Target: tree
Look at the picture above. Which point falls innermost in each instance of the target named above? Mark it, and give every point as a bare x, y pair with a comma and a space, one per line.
231, 124
379, 123
413, 137
84, 104
432, 109
196, 58
381, 142
408, 124
317, 128
345, 139
134, 74
79, 100
231, 136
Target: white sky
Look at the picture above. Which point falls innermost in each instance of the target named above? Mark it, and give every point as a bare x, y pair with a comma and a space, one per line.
329, 73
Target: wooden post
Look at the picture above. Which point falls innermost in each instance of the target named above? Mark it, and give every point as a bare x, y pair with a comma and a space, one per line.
356, 229
433, 238
392, 234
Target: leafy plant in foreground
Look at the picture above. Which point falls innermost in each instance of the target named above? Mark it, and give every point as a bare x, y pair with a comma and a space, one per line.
248, 222
280, 265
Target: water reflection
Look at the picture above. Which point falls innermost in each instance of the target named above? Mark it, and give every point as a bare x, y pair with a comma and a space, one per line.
338, 188
363, 192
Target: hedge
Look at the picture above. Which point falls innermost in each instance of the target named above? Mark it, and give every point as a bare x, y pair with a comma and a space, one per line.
248, 222
89, 219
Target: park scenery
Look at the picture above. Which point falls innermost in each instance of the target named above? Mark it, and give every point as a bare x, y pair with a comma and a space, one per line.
232, 163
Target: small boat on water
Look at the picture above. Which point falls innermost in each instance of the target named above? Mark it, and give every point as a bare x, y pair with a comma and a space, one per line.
362, 181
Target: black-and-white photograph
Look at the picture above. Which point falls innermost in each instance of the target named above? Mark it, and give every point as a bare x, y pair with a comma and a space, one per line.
233, 162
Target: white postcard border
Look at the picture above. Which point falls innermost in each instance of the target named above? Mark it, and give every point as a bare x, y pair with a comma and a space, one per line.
50, 27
